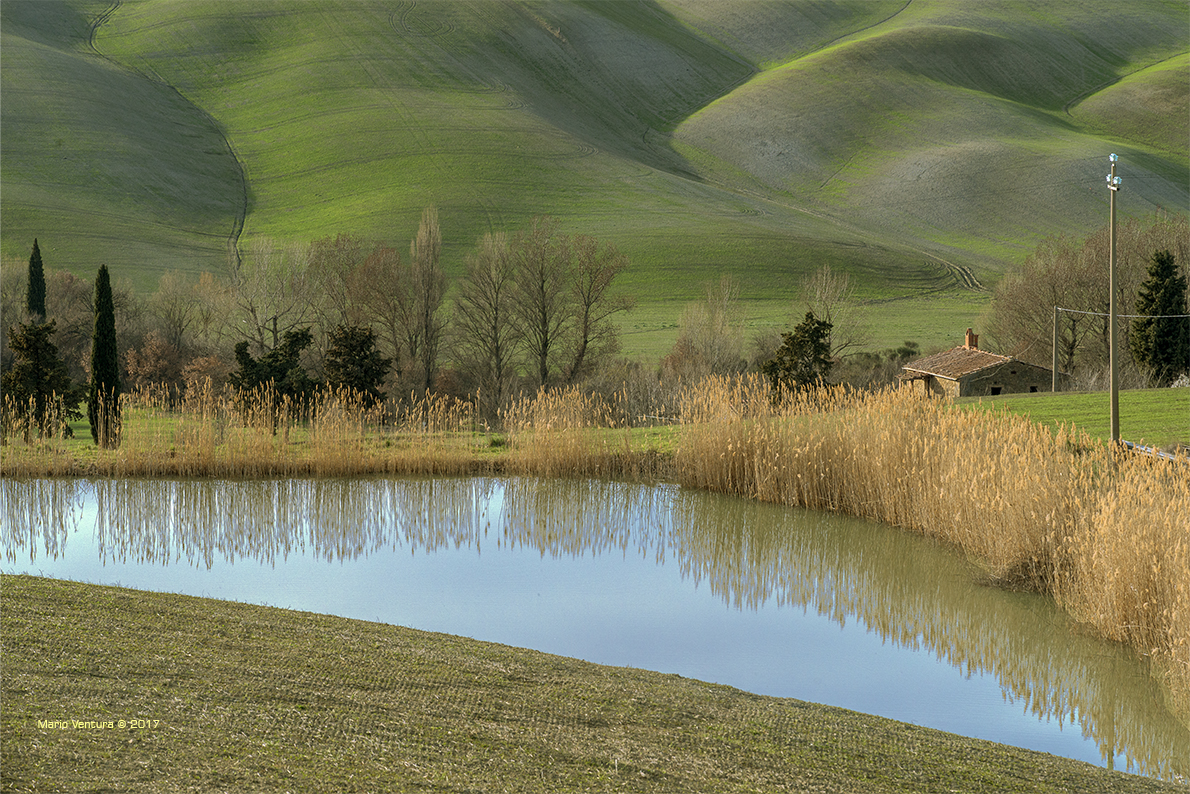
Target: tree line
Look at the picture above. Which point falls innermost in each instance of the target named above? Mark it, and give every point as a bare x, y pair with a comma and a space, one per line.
534, 309
1152, 259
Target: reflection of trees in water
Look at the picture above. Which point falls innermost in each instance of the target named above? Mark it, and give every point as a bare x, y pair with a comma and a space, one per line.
905, 588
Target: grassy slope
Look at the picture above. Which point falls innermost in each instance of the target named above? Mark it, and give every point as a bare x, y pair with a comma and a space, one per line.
1148, 106
760, 139
102, 165
241, 697
946, 123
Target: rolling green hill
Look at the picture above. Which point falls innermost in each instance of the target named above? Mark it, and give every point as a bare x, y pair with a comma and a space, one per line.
922, 147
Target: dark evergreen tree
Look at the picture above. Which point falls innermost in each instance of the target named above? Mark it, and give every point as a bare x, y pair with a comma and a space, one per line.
353, 362
281, 367
1160, 339
103, 398
35, 294
804, 357
38, 385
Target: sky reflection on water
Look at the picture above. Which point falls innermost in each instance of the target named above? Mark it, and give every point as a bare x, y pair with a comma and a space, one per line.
772, 600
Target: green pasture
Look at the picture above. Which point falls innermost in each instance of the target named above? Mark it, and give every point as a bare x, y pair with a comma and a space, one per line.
1155, 417
762, 140
219, 696
935, 321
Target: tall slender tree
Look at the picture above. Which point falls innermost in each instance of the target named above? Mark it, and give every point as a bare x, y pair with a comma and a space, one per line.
103, 400
543, 310
427, 286
595, 335
35, 295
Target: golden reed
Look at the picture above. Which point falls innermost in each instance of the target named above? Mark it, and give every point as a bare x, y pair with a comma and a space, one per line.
1105, 532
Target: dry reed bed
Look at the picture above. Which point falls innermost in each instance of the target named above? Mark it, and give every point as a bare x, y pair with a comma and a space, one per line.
211, 433
1105, 532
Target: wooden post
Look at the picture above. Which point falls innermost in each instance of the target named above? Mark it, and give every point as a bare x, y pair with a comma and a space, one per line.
1054, 384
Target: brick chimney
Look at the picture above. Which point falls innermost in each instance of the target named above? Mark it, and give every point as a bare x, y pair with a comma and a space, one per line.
972, 341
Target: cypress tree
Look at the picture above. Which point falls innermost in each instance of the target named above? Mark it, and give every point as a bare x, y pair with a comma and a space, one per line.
35, 295
103, 400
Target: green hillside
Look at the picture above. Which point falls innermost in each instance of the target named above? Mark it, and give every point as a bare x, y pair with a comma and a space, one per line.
912, 145
100, 163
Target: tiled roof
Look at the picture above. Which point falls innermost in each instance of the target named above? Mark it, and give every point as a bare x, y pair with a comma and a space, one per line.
955, 363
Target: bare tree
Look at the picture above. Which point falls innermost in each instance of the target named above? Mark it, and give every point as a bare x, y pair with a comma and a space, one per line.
489, 339
831, 297
330, 263
175, 305
542, 261
271, 293
595, 335
70, 301
1074, 275
12, 306
427, 287
1060, 272
710, 334
385, 296
212, 311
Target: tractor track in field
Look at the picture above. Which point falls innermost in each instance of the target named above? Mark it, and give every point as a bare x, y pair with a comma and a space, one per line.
233, 237
401, 14
959, 275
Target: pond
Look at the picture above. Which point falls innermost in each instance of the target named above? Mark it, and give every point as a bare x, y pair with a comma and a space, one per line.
773, 600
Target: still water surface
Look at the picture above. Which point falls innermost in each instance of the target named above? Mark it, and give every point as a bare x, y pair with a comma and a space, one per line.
772, 600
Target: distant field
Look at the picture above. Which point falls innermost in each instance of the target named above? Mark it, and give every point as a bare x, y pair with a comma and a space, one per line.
758, 139
1158, 417
649, 331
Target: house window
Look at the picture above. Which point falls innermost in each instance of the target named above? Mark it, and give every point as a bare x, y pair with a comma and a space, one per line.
995, 390
1032, 389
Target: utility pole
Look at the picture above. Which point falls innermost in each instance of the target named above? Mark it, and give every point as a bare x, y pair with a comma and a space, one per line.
1054, 383
1113, 184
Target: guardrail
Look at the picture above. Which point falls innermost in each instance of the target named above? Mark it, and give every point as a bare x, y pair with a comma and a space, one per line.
1133, 446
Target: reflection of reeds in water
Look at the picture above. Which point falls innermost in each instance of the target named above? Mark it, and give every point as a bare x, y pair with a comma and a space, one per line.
37, 516
1104, 532
749, 553
924, 597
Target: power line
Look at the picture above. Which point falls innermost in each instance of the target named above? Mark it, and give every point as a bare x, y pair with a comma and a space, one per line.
1125, 316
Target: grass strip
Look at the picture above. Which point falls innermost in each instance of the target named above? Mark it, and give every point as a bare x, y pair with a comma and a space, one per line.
1159, 417
223, 696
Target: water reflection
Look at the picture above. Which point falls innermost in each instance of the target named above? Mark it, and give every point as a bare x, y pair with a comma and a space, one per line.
905, 589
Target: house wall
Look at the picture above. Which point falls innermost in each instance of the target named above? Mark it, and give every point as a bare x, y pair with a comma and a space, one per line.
931, 386
1014, 377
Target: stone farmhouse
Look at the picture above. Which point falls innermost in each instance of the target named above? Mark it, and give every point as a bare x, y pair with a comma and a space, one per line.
967, 371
